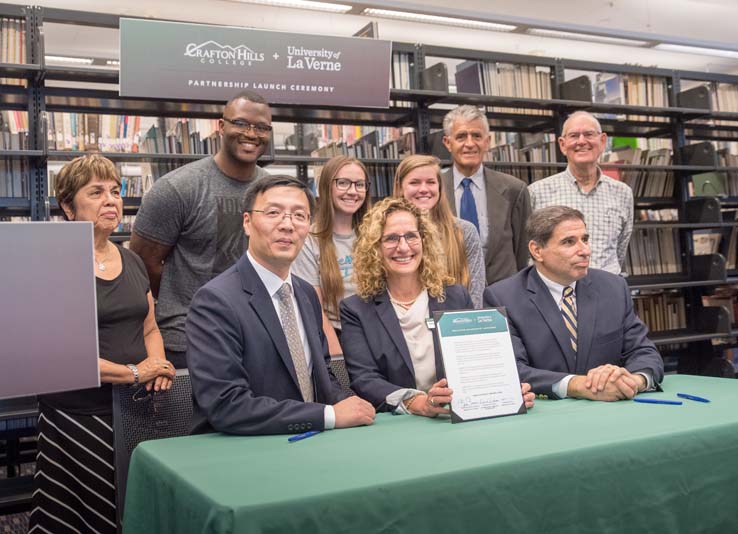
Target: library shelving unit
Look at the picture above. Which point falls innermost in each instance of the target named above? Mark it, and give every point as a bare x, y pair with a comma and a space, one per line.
656, 106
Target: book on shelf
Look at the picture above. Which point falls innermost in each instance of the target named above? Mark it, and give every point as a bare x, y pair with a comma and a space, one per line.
663, 214
131, 134
505, 79
643, 182
12, 45
14, 130
662, 310
654, 251
14, 218
14, 178
401, 75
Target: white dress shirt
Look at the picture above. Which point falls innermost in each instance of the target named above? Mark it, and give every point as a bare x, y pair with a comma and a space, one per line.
273, 283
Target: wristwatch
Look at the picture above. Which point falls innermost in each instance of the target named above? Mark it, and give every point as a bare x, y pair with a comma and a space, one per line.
134, 370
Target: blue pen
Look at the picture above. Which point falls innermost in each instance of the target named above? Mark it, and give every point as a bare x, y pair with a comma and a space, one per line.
657, 401
304, 435
692, 397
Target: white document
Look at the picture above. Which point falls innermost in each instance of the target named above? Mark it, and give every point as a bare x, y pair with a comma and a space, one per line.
480, 364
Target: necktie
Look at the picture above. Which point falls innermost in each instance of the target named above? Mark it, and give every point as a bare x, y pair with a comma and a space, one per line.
468, 207
569, 311
292, 333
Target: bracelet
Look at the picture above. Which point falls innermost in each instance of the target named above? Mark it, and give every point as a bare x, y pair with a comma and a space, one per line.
407, 406
134, 370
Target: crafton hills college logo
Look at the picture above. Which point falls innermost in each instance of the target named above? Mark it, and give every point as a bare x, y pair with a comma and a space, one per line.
214, 53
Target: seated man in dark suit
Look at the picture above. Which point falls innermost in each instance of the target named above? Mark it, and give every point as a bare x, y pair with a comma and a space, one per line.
573, 328
255, 347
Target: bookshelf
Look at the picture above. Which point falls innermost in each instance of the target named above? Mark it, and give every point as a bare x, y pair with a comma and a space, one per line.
671, 114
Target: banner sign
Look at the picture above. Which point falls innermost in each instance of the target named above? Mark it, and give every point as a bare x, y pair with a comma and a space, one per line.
200, 62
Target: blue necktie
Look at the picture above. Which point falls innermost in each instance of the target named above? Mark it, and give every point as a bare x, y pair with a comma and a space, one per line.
468, 207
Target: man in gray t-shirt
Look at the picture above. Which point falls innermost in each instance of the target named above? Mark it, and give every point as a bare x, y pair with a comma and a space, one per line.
190, 225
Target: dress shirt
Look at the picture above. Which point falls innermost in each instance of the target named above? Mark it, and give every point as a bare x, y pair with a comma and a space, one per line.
561, 387
607, 209
273, 283
480, 200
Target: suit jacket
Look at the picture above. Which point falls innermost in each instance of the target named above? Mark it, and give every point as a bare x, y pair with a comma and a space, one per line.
377, 357
508, 208
243, 378
608, 330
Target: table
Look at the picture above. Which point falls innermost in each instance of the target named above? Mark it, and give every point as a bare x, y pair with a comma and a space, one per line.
568, 466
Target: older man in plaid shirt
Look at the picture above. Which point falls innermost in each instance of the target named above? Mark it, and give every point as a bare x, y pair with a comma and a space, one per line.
607, 204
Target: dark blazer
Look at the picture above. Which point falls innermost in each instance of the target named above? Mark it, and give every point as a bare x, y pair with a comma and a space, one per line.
243, 379
374, 347
608, 329
508, 208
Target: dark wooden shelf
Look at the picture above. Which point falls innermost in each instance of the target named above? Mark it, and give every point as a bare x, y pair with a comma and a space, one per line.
683, 225
14, 203
669, 337
20, 154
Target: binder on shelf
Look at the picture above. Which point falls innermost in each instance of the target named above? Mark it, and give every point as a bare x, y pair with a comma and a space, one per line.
435, 78
469, 78
703, 210
695, 98
713, 320
699, 154
708, 267
579, 88
709, 184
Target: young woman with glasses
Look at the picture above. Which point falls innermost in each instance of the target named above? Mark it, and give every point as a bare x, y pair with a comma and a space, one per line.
326, 260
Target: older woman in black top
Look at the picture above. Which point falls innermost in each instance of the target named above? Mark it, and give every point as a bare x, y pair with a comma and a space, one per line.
74, 468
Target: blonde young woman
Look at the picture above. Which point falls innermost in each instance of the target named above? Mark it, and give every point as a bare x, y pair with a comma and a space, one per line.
418, 179
401, 279
326, 260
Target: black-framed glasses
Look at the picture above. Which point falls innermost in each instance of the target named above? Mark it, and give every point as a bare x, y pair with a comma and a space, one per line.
393, 240
344, 184
278, 214
244, 126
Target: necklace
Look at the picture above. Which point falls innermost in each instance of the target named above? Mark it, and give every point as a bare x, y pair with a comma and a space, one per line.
101, 263
405, 305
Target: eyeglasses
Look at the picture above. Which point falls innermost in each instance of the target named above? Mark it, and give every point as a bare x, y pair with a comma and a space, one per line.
589, 135
245, 126
393, 240
298, 217
344, 184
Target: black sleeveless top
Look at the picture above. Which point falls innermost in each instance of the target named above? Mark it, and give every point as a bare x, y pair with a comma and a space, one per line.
121, 309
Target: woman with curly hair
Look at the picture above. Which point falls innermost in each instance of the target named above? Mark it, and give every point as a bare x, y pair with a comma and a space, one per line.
325, 260
401, 279
418, 179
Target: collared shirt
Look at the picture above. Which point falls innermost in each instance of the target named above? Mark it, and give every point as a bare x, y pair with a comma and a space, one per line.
561, 387
480, 200
273, 283
607, 209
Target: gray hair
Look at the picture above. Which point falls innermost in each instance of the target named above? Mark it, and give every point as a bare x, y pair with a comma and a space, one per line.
576, 115
464, 113
542, 223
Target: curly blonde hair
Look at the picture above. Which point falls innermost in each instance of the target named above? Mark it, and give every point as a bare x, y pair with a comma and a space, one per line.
370, 274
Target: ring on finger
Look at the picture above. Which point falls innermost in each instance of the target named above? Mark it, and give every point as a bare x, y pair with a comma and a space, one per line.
430, 401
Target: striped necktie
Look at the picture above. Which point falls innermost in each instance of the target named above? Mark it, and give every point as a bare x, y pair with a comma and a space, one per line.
569, 312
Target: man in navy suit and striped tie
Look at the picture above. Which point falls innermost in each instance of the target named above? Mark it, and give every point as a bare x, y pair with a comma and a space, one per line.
573, 328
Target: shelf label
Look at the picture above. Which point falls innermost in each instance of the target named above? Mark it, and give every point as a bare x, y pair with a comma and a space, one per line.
203, 62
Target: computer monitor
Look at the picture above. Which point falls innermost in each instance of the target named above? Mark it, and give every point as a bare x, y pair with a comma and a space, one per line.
48, 309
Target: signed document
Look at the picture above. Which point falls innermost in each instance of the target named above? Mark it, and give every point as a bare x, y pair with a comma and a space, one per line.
480, 364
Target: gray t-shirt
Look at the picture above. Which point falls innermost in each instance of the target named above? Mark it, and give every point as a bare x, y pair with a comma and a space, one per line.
307, 266
197, 210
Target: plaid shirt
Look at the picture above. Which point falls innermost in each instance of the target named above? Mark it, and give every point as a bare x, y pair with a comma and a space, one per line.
607, 209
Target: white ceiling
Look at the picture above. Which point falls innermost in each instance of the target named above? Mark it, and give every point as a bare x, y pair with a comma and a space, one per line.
699, 21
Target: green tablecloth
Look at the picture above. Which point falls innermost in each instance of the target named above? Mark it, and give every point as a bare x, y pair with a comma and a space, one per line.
565, 467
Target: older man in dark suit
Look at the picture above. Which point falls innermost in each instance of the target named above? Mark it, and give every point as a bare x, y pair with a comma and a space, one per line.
497, 204
255, 348
573, 328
